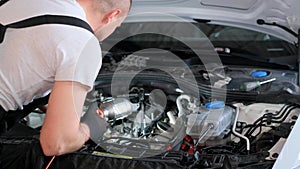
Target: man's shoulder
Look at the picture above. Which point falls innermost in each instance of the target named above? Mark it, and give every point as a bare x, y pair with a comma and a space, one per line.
55, 32
32, 8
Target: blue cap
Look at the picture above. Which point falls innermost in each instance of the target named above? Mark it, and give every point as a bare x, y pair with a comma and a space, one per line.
259, 74
215, 105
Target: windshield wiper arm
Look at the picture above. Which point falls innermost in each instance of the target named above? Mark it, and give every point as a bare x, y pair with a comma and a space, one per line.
263, 22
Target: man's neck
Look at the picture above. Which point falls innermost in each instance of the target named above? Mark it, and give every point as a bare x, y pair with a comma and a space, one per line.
93, 17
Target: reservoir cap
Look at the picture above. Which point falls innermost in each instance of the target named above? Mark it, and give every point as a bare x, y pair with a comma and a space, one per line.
259, 74
215, 105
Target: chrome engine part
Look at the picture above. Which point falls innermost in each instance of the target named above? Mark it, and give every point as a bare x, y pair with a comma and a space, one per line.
116, 109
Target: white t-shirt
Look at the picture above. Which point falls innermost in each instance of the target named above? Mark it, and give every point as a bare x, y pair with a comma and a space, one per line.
32, 58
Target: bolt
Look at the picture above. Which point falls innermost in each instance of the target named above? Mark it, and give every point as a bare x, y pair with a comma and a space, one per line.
275, 155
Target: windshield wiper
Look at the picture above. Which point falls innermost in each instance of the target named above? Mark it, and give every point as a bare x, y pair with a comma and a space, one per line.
263, 22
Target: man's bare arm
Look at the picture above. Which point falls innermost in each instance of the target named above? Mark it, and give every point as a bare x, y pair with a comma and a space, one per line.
62, 131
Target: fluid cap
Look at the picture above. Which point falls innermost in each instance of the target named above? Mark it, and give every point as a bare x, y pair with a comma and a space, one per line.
259, 74
215, 105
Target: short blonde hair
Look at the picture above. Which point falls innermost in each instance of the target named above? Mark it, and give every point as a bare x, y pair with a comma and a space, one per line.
109, 5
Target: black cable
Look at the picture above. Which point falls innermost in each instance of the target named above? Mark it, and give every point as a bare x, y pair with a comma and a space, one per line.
284, 118
272, 121
279, 117
203, 89
258, 120
283, 110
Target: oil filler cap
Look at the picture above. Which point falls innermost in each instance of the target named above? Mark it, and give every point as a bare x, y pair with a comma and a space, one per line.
215, 105
259, 74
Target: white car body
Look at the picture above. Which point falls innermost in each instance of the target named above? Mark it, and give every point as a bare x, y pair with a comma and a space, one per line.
243, 13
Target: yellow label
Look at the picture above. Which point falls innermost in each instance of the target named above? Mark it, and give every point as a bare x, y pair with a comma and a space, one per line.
111, 155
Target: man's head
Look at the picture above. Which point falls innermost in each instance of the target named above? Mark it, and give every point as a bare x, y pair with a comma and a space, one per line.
105, 16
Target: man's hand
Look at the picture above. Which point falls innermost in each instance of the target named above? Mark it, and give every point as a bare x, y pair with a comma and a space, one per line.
96, 124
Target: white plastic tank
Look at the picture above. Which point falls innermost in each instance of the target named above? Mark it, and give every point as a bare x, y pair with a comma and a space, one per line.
215, 113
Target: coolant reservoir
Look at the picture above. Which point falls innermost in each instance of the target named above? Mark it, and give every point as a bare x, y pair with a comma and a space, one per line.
211, 120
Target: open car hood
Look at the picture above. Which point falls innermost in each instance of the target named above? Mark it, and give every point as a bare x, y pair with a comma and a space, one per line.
228, 12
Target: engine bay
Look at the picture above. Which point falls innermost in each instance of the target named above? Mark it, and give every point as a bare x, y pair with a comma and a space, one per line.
156, 119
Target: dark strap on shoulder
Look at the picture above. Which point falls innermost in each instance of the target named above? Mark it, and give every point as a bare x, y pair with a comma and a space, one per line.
3, 2
45, 19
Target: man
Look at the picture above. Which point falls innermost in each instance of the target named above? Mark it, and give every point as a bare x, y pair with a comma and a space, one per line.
62, 59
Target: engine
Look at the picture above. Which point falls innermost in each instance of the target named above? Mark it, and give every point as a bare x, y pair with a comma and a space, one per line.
148, 121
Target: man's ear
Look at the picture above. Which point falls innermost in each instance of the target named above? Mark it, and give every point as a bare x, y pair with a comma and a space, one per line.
112, 16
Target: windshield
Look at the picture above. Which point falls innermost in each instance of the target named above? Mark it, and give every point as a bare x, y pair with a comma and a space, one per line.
225, 39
